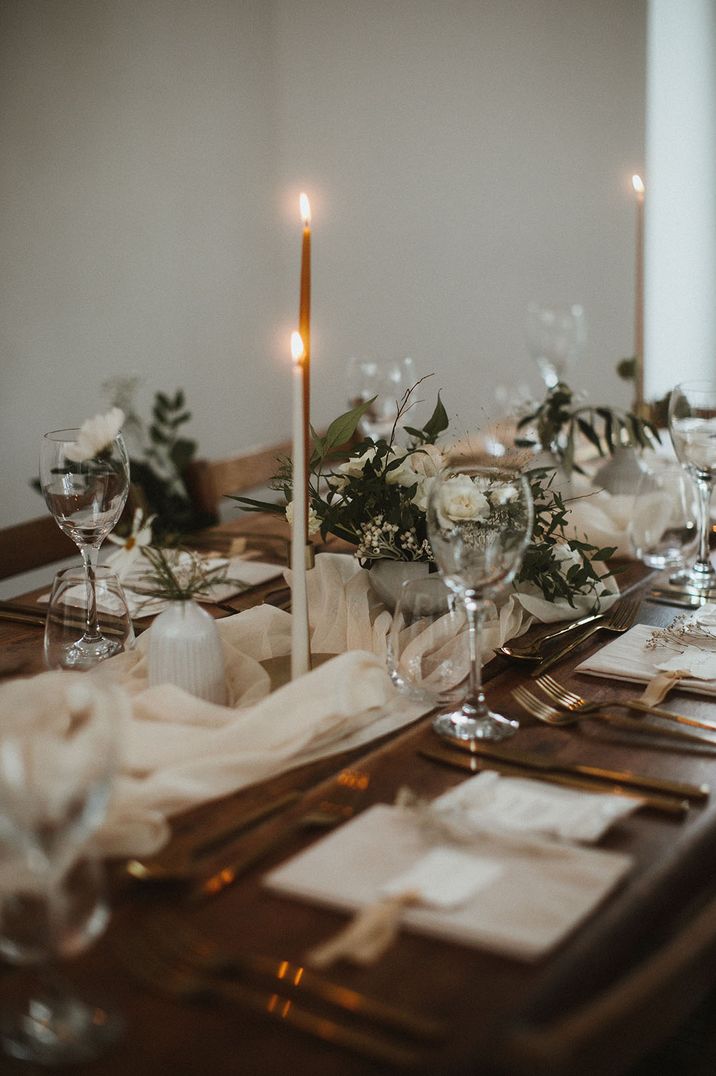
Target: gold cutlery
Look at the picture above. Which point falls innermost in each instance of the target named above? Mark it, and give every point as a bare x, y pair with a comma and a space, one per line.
534, 649
168, 976
543, 711
572, 701
530, 760
656, 801
188, 945
620, 619
180, 864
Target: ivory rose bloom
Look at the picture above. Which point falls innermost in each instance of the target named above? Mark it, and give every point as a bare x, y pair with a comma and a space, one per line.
95, 435
460, 500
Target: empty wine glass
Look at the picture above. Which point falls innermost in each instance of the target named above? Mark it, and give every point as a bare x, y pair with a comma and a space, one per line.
58, 750
427, 646
86, 497
387, 382
556, 336
692, 425
479, 525
67, 613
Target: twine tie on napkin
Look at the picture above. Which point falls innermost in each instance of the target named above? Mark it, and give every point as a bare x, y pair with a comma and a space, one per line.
659, 687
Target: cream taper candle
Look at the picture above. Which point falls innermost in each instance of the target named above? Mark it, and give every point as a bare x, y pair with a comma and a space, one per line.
300, 651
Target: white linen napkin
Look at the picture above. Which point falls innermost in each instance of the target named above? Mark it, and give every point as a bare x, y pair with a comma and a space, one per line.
629, 658
520, 900
599, 517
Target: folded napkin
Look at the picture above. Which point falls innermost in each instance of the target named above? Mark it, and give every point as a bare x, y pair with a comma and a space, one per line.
518, 897
647, 655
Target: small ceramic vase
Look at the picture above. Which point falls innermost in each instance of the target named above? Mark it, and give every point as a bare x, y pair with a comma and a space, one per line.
185, 650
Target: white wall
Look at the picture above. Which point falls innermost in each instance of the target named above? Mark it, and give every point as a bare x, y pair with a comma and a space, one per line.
462, 158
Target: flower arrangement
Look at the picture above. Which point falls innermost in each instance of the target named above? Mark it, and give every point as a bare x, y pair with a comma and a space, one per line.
375, 498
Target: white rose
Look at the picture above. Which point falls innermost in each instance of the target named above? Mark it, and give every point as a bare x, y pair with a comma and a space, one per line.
420, 500
403, 475
427, 460
353, 467
95, 435
460, 501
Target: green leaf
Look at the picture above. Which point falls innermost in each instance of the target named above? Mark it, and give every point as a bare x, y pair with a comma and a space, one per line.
162, 401
181, 453
591, 434
438, 421
343, 427
157, 435
258, 506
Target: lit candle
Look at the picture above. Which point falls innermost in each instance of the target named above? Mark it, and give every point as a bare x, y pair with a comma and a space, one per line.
300, 652
638, 186
304, 328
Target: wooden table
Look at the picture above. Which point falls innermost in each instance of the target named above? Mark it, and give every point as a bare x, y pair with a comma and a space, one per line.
485, 1001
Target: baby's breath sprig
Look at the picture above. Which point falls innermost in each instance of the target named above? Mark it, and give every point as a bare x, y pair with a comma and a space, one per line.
683, 632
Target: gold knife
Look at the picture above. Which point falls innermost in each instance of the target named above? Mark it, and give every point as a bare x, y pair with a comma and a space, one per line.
580, 769
658, 802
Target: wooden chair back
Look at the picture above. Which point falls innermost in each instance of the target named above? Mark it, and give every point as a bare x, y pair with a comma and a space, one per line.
32, 544
207, 481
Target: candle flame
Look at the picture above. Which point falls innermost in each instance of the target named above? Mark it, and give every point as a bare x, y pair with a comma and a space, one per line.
305, 209
298, 351
638, 184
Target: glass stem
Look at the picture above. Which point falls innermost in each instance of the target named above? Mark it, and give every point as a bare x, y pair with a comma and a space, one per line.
90, 556
703, 562
475, 700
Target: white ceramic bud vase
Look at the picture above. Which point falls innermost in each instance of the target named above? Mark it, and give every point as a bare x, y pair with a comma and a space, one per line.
185, 650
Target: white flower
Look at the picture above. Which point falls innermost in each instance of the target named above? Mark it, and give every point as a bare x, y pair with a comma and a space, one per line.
130, 548
427, 460
314, 523
95, 435
459, 501
420, 499
503, 494
403, 474
353, 467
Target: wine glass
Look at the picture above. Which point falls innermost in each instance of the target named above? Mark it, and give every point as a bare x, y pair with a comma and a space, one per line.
387, 382
692, 425
427, 646
479, 524
86, 499
556, 336
58, 751
67, 609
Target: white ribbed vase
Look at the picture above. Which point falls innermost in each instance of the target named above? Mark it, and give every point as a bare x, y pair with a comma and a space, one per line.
185, 650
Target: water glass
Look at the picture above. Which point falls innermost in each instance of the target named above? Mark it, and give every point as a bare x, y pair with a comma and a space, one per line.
663, 529
67, 618
427, 648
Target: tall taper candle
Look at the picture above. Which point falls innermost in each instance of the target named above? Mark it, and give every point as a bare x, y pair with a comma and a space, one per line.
638, 186
304, 328
300, 651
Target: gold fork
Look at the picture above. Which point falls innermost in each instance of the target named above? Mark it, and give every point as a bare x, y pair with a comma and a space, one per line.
570, 700
620, 619
166, 975
570, 716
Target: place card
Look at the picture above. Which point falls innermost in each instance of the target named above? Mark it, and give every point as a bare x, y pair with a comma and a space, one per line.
444, 878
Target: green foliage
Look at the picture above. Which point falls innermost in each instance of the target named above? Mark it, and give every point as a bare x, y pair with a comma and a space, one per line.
558, 423
180, 575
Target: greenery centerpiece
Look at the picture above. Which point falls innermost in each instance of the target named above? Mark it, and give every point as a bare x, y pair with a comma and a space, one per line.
375, 498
